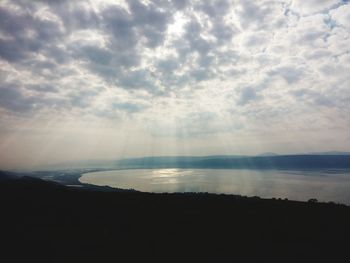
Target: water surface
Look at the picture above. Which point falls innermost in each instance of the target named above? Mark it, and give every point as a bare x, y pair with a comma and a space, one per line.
324, 185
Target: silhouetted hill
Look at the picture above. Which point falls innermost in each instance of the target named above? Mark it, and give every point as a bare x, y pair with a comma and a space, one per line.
42, 221
26, 183
5, 175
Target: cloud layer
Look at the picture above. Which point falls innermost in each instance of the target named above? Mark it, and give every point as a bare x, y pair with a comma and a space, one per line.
255, 74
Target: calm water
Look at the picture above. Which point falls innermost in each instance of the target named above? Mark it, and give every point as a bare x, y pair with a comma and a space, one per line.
295, 185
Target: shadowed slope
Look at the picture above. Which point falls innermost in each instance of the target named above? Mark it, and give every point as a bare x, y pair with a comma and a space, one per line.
56, 223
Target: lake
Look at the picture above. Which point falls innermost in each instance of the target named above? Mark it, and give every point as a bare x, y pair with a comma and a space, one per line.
324, 185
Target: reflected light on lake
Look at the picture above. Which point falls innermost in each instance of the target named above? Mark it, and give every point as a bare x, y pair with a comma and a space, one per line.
295, 185
173, 172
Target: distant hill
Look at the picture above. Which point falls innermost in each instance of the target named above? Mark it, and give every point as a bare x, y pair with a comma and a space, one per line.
131, 162
268, 154
257, 162
330, 153
323, 160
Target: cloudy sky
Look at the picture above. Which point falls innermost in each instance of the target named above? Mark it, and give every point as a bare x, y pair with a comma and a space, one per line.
111, 79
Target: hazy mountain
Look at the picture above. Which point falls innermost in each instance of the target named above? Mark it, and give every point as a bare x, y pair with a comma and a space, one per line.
257, 162
142, 161
330, 153
268, 154
263, 161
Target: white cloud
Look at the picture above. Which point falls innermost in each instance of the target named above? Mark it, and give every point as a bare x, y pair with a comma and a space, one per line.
341, 16
201, 69
313, 6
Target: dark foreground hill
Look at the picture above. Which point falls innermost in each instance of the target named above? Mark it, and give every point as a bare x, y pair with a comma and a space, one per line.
42, 221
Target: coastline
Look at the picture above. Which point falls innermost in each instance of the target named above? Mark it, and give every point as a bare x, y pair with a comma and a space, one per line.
70, 178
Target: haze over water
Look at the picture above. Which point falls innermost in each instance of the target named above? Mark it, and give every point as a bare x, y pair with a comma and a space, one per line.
324, 185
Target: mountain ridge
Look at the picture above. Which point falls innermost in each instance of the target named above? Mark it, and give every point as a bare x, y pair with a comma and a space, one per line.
266, 160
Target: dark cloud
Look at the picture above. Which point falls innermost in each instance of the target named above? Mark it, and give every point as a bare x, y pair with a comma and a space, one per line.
42, 87
12, 23
247, 95
129, 107
14, 100
216, 11
138, 79
314, 97
143, 22
81, 98
290, 74
168, 66
192, 41
25, 35
150, 22
178, 4
92, 54
256, 15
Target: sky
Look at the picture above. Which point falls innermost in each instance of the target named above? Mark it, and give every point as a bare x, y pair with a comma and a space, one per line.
110, 79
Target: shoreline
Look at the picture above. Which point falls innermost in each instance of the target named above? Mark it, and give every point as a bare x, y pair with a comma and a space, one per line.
70, 178
313, 195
